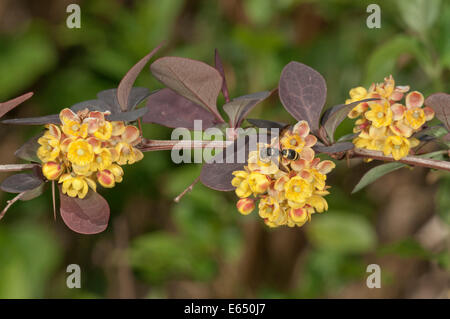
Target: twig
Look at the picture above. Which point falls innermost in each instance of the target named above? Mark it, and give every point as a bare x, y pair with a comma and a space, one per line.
160, 145
54, 200
188, 189
16, 167
410, 160
10, 203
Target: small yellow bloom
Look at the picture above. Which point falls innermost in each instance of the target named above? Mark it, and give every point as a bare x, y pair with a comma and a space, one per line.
76, 185
117, 172
299, 215
269, 208
292, 141
245, 205
104, 131
380, 114
102, 160
80, 153
49, 149
52, 170
298, 190
318, 203
239, 177
128, 154
398, 146
106, 178
258, 182
415, 117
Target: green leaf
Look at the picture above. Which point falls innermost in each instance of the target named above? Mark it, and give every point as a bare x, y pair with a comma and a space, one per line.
375, 173
342, 233
419, 15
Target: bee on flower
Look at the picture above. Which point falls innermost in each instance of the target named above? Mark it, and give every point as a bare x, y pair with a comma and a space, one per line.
386, 124
286, 178
85, 149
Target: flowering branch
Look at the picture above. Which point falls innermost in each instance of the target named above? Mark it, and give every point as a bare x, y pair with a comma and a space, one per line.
160, 145
409, 160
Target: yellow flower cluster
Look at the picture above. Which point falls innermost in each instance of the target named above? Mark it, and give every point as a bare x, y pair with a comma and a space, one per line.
387, 125
87, 148
289, 190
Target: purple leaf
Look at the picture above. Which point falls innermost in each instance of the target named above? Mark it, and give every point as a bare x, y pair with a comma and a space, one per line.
20, 183
336, 114
195, 80
219, 67
267, 124
125, 85
32, 194
303, 92
167, 108
440, 103
129, 116
218, 174
28, 151
335, 148
239, 107
7, 106
41, 120
89, 215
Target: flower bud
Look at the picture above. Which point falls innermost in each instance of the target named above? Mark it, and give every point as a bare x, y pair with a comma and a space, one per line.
245, 206
52, 170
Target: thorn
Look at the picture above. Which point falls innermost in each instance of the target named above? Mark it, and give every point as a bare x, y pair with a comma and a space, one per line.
188, 189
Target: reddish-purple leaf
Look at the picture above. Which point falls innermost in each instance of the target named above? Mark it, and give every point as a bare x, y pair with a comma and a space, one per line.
7, 106
336, 114
239, 107
195, 80
440, 103
303, 92
129, 116
20, 183
32, 194
267, 124
89, 215
335, 148
136, 96
28, 151
219, 67
170, 109
125, 85
218, 173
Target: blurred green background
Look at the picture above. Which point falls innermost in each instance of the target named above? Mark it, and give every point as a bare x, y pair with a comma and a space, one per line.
202, 247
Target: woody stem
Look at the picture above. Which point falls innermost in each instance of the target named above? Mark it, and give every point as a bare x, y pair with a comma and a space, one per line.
409, 160
16, 167
161, 145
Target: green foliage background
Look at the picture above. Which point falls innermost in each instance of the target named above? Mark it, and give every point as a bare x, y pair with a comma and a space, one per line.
202, 247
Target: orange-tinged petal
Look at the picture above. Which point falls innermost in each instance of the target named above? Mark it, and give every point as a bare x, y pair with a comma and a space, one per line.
310, 140
307, 154
398, 111
106, 178
324, 167
429, 113
301, 128
68, 115
131, 134
414, 99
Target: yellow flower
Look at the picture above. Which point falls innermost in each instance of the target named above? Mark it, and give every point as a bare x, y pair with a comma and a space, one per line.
380, 114
318, 203
128, 154
239, 177
398, 146
415, 117
104, 131
102, 160
298, 190
76, 185
80, 153
245, 205
117, 171
258, 182
299, 215
106, 178
49, 149
72, 125
269, 208
292, 141
52, 170
265, 166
